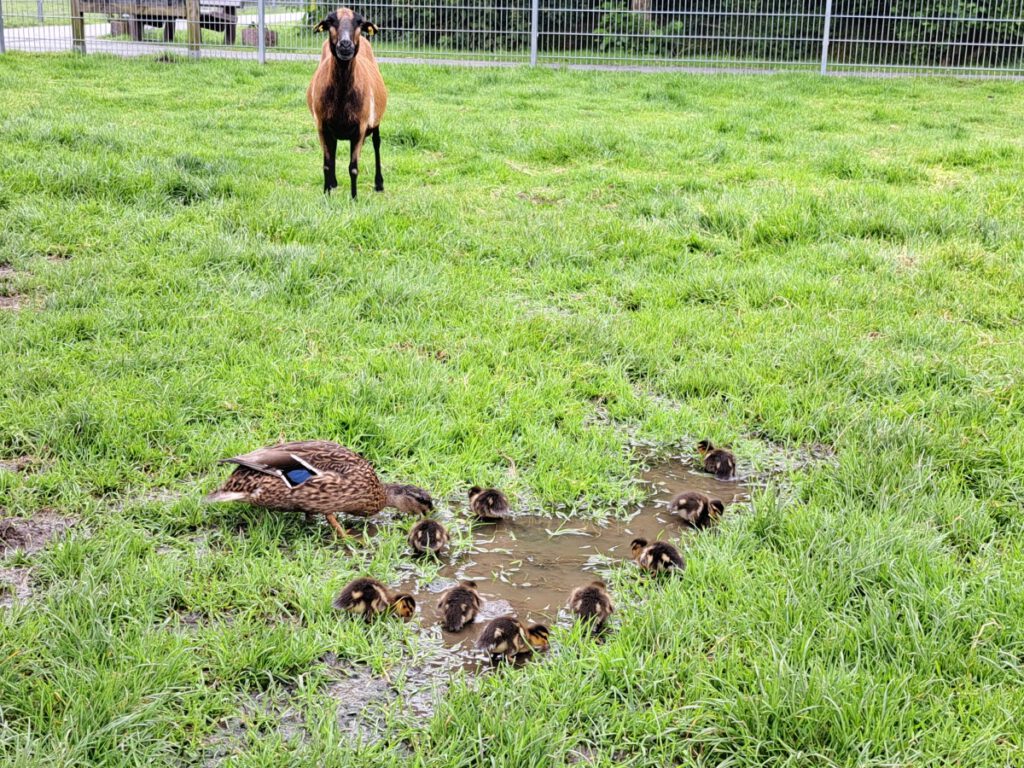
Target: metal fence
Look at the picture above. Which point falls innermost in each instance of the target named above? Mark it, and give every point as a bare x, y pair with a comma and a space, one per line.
965, 37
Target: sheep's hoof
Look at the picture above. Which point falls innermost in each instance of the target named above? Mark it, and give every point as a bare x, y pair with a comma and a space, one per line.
378, 187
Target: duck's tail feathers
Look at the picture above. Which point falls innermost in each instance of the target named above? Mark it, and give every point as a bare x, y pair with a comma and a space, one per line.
225, 496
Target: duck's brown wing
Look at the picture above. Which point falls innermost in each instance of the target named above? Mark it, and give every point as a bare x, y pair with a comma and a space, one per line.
317, 455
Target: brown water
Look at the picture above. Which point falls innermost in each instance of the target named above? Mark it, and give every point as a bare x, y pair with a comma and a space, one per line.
529, 565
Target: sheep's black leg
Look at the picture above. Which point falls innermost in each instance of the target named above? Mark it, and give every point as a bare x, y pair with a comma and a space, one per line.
330, 143
378, 179
353, 165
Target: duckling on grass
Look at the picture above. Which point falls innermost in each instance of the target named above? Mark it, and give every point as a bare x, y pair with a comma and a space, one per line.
720, 462
369, 598
488, 503
592, 603
459, 606
316, 477
507, 637
659, 557
428, 536
696, 509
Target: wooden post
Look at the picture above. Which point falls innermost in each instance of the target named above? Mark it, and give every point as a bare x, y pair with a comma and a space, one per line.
194, 32
77, 27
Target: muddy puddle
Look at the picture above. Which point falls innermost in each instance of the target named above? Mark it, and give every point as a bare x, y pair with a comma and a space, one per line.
529, 565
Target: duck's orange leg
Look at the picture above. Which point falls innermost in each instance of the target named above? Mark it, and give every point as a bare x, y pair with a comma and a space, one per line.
342, 533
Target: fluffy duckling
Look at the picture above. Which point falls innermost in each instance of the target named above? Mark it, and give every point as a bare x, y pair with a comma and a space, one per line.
659, 557
695, 508
459, 606
718, 461
508, 637
488, 503
428, 536
316, 477
369, 598
592, 603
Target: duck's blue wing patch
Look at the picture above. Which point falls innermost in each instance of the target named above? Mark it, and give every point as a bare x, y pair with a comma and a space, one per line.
298, 476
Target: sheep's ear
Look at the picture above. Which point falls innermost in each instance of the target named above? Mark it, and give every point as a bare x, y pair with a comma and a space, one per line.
369, 28
327, 23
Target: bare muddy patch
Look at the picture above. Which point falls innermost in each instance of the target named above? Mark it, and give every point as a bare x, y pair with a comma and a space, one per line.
20, 464
11, 302
30, 534
15, 586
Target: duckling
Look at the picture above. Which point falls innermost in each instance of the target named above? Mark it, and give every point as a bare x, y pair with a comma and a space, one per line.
459, 606
658, 557
592, 603
695, 508
369, 598
428, 536
508, 637
316, 477
488, 503
718, 461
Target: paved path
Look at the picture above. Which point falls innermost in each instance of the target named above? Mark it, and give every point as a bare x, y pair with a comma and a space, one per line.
56, 38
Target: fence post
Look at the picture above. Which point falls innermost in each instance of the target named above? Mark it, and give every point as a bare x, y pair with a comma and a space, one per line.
77, 27
194, 33
534, 30
261, 29
3, 46
825, 35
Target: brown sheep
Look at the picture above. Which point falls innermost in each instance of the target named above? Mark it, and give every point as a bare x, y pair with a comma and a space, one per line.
347, 95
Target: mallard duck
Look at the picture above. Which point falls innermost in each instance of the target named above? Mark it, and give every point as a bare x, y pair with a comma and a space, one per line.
658, 557
428, 536
508, 637
696, 509
488, 503
316, 477
459, 606
592, 603
369, 598
718, 461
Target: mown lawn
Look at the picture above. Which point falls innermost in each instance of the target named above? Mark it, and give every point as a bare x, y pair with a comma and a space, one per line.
564, 265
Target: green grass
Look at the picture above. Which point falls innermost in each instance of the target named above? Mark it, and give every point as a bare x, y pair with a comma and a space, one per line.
775, 260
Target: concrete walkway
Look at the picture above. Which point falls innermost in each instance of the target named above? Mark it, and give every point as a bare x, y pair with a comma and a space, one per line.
57, 38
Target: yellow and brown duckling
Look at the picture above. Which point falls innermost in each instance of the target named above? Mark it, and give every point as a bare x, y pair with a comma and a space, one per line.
488, 503
459, 606
507, 637
592, 603
316, 477
369, 598
696, 509
428, 536
659, 557
720, 462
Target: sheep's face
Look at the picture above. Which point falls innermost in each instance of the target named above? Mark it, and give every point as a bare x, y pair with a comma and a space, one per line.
345, 28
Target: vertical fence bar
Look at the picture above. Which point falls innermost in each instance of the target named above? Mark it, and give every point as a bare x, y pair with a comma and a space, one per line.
261, 30
39, 10
3, 45
534, 30
824, 36
77, 27
194, 32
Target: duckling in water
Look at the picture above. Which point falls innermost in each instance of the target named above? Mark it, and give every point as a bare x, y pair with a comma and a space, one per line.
316, 477
488, 503
459, 606
428, 536
507, 637
369, 598
718, 461
695, 508
592, 603
659, 557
